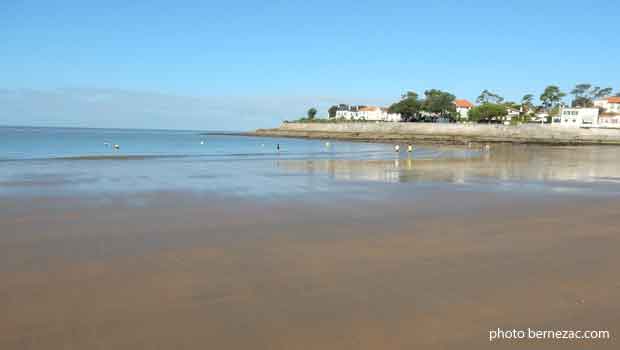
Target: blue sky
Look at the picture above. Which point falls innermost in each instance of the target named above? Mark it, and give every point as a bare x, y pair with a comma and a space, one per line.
248, 64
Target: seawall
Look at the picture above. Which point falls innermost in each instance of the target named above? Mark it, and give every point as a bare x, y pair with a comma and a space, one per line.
447, 133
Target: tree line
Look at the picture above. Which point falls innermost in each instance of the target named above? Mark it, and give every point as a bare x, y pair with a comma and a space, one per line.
437, 104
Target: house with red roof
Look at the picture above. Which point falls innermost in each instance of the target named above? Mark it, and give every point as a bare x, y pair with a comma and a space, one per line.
610, 105
610, 108
463, 107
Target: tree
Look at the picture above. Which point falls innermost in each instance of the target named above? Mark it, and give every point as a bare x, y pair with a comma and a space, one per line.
440, 103
527, 103
551, 97
311, 113
487, 96
600, 93
585, 94
331, 112
487, 112
409, 107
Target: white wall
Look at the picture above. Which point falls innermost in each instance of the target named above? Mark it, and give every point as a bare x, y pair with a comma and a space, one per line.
576, 117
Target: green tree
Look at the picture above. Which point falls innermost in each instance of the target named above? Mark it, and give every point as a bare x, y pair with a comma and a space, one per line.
409, 107
527, 102
487, 96
440, 103
331, 112
487, 112
311, 113
551, 97
601, 92
585, 94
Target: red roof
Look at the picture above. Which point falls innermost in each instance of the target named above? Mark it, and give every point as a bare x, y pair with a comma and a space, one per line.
368, 109
463, 103
615, 99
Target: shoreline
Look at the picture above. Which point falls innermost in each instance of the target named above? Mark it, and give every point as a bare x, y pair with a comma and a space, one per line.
454, 134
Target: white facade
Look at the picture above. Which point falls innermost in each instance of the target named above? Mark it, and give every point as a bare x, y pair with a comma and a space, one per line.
369, 114
348, 115
462, 108
576, 117
512, 113
609, 121
609, 104
539, 117
463, 112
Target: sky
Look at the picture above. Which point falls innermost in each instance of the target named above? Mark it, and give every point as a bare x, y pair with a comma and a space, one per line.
239, 65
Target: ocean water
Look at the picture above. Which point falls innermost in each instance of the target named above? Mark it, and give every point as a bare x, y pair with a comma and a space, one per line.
69, 161
51, 160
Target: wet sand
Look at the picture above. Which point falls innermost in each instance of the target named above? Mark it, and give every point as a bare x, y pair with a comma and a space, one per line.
430, 268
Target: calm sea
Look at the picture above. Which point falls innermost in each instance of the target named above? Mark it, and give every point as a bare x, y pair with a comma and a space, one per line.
42, 160
66, 161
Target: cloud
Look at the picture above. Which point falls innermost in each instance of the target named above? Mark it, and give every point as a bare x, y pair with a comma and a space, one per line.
116, 108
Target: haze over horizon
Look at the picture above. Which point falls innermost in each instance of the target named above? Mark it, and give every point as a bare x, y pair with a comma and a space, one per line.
243, 65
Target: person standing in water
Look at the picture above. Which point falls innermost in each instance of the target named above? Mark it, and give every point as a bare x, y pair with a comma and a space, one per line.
409, 148
278, 147
396, 148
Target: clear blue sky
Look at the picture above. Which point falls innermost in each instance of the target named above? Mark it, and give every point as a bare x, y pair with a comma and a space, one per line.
247, 64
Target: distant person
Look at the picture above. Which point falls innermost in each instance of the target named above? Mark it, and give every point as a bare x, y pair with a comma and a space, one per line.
396, 148
278, 147
409, 148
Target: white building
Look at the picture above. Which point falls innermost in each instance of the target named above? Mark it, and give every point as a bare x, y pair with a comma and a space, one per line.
576, 117
368, 113
610, 118
540, 117
462, 108
511, 113
609, 105
609, 121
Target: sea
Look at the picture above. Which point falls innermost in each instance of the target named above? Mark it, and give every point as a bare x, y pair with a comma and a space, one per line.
47, 160
39, 161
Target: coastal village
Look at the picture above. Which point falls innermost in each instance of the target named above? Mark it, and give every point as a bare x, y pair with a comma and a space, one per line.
591, 107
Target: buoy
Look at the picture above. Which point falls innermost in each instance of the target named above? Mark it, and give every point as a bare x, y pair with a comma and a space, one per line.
117, 146
326, 144
202, 142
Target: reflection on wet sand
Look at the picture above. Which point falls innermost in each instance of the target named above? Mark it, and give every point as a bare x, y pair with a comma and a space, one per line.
502, 163
422, 270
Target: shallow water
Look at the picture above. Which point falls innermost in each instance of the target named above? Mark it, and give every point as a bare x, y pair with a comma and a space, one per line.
40, 161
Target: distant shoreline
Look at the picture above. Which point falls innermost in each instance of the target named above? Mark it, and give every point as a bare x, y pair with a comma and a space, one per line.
457, 134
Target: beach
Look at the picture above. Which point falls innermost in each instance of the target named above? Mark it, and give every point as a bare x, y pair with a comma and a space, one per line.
355, 247
186, 271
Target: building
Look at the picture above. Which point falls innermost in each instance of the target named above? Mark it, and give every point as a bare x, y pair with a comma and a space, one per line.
609, 105
512, 113
576, 117
368, 113
462, 108
609, 120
